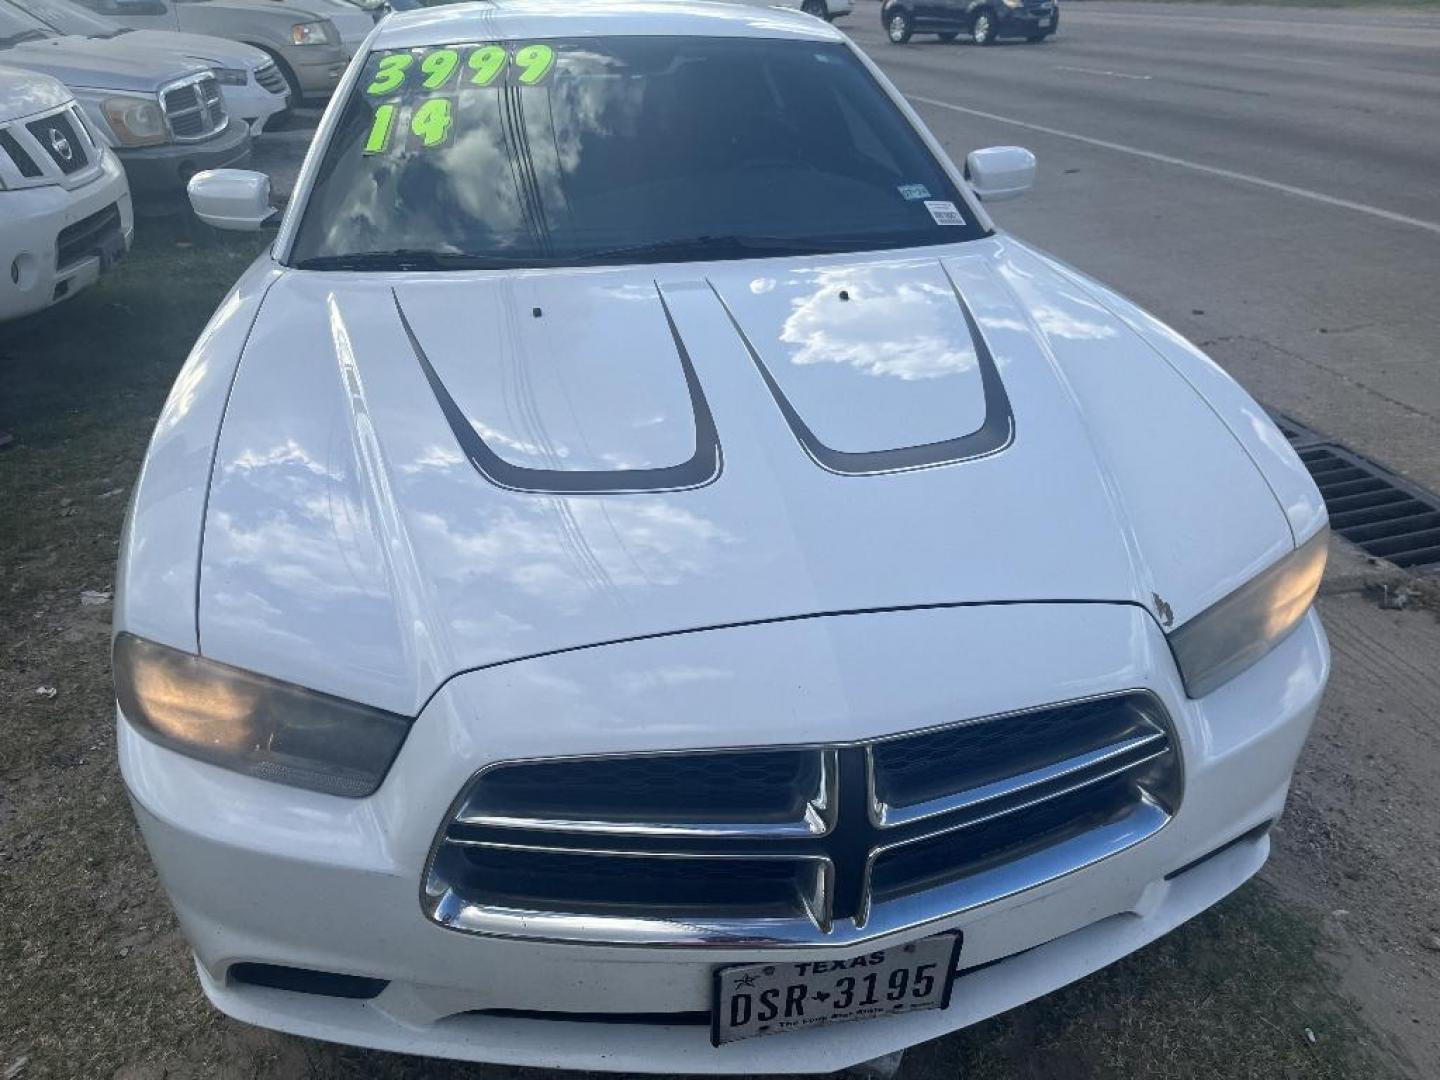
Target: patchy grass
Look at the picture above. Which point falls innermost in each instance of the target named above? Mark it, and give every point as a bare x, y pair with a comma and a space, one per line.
96, 980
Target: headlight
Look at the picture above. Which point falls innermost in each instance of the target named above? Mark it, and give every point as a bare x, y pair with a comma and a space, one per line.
254, 725
231, 76
310, 33
135, 121
1014, 3
1235, 632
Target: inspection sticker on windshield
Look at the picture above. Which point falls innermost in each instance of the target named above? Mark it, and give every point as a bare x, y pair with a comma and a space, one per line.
944, 213
911, 192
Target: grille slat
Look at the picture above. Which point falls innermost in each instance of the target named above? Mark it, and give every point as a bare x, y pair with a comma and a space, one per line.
961, 853
98, 234
955, 768
1385, 515
1406, 542
1418, 557
1393, 525
748, 794
1339, 508
270, 77
194, 109
708, 847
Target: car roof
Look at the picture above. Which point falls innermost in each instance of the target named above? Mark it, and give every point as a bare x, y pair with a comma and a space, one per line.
510, 20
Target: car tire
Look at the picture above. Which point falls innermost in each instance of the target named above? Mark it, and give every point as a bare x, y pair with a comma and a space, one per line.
817, 8
948, 36
982, 27
1035, 39
899, 26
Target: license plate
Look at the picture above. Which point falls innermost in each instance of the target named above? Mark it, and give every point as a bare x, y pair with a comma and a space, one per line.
761, 999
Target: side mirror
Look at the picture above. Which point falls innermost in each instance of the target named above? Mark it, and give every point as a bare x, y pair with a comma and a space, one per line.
1000, 172
231, 198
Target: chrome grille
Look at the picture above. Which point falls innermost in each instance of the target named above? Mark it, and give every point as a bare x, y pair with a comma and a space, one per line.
758, 792
193, 108
58, 137
270, 77
53, 148
813, 845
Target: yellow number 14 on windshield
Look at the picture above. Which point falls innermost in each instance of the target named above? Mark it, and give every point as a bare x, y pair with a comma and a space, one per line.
430, 123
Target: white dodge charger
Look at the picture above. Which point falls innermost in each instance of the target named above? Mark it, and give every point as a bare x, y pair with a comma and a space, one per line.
642, 571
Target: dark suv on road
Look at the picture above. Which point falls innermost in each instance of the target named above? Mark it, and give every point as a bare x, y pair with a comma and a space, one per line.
980, 20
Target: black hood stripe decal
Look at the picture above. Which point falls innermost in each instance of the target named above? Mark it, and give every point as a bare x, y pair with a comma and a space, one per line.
703, 467
994, 435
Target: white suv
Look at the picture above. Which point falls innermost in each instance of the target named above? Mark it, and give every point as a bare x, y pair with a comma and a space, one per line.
65, 213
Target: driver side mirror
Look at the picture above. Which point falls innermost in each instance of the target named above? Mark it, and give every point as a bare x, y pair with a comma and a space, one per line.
998, 173
231, 199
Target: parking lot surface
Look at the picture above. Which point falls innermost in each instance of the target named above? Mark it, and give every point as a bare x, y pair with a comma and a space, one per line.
1267, 180
1262, 178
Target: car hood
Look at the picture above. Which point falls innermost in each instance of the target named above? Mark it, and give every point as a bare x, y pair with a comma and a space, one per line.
23, 94
202, 48
422, 474
102, 64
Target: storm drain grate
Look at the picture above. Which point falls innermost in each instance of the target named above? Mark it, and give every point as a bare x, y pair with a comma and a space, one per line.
1381, 513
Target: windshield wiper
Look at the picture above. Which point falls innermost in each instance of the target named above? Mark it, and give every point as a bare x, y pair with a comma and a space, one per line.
23, 35
404, 259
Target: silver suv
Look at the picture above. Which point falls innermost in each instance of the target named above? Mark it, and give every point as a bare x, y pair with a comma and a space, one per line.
162, 113
310, 42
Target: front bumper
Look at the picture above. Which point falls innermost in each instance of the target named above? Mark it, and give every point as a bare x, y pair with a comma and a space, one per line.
165, 170
317, 68
1024, 21
266, 874
252, 104
33, 220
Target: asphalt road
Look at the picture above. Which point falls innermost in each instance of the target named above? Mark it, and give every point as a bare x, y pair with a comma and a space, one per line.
1267, 180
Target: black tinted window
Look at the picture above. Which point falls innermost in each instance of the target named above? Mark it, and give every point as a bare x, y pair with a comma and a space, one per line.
584, 151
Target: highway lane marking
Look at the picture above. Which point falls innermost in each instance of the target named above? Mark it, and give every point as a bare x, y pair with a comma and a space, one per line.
1193, 166
1100, 71
1239, 25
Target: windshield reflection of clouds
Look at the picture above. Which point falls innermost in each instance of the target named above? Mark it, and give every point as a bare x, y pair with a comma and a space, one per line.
475, 174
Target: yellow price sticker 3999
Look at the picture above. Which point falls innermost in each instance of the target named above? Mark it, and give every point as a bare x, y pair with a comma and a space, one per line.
482, 66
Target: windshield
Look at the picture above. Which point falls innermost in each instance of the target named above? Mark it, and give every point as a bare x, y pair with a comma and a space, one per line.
604, 150
65, 17
16, 26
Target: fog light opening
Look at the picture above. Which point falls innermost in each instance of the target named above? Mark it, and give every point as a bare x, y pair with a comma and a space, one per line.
25, 270
307, 981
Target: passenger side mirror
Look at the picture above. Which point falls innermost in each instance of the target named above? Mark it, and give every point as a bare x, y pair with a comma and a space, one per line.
231, 199
1000, 172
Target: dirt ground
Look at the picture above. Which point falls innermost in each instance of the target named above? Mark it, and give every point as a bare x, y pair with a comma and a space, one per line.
1359, 846
1328, 967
